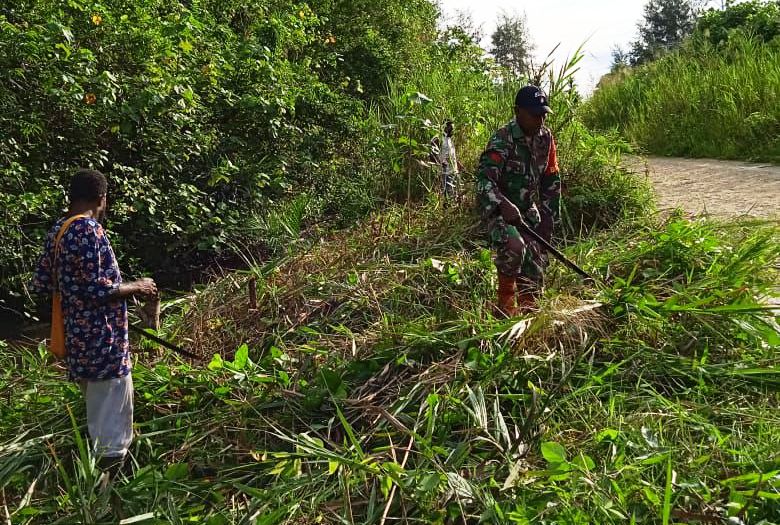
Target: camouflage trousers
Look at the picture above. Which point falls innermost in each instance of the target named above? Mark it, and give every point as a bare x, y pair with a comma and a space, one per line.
527, 266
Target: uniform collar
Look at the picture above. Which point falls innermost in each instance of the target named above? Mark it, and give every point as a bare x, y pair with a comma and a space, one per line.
517, 131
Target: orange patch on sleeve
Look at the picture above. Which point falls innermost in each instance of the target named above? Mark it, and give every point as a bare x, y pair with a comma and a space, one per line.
552, 159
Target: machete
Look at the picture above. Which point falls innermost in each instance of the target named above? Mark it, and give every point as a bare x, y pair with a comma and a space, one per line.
555, 253
170, 346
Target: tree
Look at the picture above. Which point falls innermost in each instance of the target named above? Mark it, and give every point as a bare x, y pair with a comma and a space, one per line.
666, 23
511, 45
620, 59
464, 20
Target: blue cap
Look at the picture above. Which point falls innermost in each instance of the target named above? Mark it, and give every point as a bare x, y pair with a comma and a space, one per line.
533, 99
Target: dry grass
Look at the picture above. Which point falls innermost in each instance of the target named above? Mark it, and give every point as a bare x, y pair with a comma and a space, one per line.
347, 287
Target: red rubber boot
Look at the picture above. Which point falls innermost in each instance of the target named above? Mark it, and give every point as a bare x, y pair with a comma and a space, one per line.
506, 295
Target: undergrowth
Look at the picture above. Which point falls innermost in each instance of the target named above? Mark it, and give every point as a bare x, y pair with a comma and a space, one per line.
372, 384
704, 100
368, 380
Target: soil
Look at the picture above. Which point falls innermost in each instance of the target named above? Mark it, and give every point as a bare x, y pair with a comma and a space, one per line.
720, 188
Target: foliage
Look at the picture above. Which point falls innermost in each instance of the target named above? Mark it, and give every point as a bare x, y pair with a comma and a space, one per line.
598, 192
702, 100
620, 59
203, 115
758, 18
512, 46
664, 26
233, 125
715, 95
377, 42
373, 384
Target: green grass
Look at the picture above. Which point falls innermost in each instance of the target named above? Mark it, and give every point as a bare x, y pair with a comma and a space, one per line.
705, 101
598, 192
373, 385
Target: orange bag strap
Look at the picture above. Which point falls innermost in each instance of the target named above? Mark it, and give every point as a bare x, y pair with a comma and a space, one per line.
57, 239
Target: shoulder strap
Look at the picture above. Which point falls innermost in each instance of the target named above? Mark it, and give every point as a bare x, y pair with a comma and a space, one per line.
57, 239
64, 228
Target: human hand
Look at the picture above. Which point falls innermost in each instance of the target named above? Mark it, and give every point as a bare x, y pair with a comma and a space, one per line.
509, 212
145, 287
545, 227
515, 245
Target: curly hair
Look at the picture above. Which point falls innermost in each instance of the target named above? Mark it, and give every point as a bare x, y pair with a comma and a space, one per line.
87, 186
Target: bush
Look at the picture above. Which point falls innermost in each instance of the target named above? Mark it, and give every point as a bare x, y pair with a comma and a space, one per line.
238, 124
715, 96
201, 114
702, 100
758, 18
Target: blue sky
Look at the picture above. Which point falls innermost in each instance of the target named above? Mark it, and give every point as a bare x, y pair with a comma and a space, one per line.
602, 23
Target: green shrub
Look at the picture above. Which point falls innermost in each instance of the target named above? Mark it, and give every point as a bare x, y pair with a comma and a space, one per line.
715, 96
214, 121
702, 100
758, 18
201, 114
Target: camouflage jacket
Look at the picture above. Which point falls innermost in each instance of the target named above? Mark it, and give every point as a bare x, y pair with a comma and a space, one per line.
525, 170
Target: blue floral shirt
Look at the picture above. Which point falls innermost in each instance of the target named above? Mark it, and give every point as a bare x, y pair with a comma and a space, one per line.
87, 277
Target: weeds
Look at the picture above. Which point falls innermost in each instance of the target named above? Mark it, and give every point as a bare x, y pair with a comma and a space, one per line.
368, 381
372, 385
703, 101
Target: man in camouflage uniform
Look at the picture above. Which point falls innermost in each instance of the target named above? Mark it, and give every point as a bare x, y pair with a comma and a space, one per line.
518, 182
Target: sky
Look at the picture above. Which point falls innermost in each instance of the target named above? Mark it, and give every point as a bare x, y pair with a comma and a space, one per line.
600, 24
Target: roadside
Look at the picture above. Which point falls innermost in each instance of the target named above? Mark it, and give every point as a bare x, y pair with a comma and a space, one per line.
719, 188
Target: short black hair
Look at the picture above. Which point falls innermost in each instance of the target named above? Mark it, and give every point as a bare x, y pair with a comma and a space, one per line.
87, 186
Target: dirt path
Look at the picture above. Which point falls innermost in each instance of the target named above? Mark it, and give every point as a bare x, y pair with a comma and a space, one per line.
720, 188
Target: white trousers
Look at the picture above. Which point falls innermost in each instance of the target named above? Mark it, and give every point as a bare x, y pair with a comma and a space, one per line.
109, 415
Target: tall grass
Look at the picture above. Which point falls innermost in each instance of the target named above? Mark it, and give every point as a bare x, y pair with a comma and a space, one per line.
373, 385
703, 101
598, 190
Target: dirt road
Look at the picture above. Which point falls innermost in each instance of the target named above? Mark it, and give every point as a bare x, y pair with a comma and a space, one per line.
720, 188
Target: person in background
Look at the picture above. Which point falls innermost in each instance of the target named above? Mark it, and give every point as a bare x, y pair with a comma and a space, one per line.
444, 155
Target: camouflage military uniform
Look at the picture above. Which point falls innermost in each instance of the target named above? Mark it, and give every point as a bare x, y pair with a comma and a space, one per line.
525, 170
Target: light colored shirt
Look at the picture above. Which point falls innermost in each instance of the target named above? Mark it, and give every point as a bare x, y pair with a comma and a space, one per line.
448, 159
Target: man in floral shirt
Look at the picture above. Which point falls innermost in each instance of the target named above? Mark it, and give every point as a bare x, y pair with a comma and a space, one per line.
95, 314
518, 182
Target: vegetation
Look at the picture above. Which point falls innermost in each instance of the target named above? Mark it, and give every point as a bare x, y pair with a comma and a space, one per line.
664, 26
715, 96
371, 382
204, 115
757, 18
224, 124
512, 46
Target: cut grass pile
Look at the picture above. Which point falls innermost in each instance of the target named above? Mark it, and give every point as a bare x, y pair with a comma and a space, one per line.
372, 384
